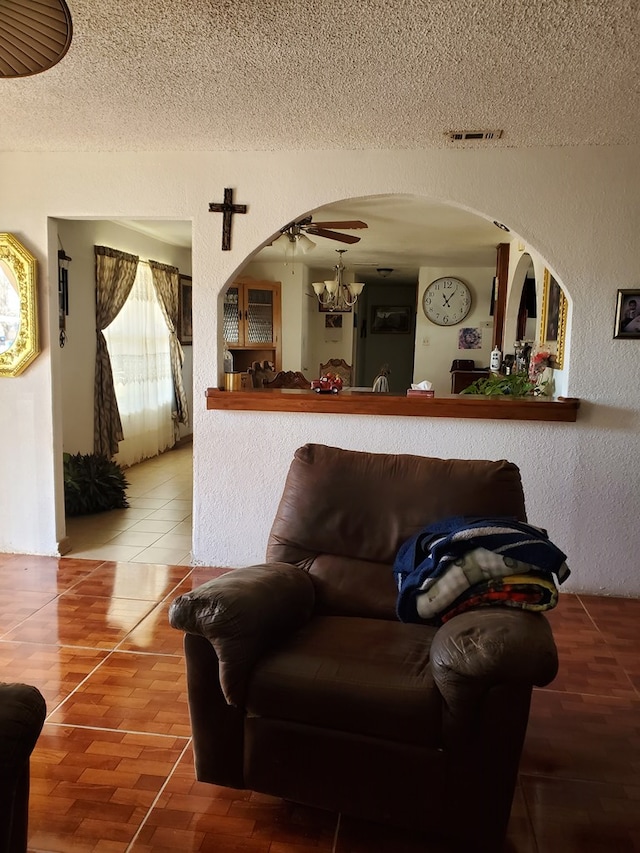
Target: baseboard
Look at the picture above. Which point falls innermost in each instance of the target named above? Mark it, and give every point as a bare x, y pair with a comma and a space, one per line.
64, 546
182, 442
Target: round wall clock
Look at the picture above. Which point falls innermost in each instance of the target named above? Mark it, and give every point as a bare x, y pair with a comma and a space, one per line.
446, 301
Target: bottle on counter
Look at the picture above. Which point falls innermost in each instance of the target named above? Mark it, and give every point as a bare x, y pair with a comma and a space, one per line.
495, 361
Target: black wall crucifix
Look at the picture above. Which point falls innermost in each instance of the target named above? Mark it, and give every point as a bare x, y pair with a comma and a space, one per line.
227, 208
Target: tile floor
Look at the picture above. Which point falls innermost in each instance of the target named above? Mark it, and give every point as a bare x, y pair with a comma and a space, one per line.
157, 526
112, 771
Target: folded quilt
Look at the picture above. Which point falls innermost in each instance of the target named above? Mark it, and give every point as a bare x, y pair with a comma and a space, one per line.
444, 560
527, 592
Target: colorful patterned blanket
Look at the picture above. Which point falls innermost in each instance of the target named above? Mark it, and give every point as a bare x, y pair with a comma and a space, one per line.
447, 565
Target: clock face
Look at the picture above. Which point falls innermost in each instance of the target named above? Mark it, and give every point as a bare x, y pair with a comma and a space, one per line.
446, 301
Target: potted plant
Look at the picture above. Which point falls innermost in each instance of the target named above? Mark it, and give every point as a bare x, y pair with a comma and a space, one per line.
93, 483
497, 385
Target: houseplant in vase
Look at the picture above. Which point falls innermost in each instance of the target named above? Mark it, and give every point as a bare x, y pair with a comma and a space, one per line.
499, 385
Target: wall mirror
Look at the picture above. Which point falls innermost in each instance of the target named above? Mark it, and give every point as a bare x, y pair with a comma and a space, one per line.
18, 307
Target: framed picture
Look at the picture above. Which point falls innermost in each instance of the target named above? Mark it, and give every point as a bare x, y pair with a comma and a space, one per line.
553, 320
333, 321
469, 338
185, 329
391, 319
627, 314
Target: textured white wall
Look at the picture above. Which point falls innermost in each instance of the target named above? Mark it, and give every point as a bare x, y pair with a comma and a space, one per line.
581, 216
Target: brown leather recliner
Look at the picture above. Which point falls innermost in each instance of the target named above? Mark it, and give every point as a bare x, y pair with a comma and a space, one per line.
303, 683
22, 714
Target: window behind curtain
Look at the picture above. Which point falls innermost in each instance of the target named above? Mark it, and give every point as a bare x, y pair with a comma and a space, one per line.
138, 343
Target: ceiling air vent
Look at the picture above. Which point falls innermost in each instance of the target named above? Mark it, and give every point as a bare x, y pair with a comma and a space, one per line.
473, 135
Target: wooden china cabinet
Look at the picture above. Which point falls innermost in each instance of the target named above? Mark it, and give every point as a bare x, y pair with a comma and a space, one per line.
253, 322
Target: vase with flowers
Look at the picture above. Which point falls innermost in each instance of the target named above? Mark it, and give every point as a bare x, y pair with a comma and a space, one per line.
539, 366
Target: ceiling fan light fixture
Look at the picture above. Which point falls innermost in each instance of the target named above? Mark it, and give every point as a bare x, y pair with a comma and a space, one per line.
282, 242
385, 272
305, 243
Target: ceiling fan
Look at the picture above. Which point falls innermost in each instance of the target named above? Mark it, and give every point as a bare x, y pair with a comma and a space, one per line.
297, 232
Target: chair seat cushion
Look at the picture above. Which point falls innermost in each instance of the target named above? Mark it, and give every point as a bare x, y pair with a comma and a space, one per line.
366, 676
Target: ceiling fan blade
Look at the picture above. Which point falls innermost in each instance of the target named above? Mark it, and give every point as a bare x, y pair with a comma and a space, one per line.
348, 224
332, 235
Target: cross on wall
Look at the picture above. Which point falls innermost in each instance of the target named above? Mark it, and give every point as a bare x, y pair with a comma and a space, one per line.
227, 208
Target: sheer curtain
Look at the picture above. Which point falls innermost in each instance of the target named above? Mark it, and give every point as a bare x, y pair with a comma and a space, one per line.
138, 343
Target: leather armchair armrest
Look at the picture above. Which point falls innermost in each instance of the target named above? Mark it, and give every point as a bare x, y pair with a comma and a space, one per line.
22, 713
243, 613
483, 649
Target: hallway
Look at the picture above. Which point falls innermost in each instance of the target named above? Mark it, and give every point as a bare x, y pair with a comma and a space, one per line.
156, 528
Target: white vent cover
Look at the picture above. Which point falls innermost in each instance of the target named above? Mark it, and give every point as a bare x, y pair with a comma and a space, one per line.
473, 135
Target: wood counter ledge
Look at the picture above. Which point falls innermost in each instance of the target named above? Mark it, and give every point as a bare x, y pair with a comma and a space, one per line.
560, 409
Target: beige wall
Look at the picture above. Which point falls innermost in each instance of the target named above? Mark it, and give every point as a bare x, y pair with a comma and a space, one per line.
581, 216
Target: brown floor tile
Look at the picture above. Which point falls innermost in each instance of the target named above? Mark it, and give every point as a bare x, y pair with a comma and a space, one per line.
131, 692
91, 787
14, 609
583, 737
112, 774
132, 580
191, 815
55, 670
618, 619
155, 634
588, 663
82, 620
572, 817
42, 574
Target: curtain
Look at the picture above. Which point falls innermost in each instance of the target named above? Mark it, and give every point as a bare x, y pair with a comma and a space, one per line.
165, 281
139, 346
115, 273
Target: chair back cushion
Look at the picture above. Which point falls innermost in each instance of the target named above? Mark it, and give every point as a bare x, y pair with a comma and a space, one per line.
344, 514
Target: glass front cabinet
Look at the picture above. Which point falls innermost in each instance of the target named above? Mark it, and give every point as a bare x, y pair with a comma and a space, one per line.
252, 323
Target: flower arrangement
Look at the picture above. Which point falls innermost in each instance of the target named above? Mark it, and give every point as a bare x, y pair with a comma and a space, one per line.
538, 362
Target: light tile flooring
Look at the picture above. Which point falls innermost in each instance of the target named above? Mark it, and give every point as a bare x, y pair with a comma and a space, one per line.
157, 526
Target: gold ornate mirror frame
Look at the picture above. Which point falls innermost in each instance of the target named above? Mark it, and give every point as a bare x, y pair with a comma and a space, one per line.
18, 307
553, 320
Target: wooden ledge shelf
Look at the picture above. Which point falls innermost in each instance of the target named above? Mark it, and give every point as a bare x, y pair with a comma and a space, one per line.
561, 409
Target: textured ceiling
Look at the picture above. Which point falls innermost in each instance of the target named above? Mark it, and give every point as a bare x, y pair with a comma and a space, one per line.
274, 74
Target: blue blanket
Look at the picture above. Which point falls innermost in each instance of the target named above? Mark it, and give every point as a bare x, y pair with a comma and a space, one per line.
428, 554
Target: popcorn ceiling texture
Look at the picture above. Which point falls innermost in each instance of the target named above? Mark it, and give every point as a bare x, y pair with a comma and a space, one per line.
276, 74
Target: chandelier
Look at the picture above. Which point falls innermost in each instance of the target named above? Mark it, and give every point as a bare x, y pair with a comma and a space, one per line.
336, 295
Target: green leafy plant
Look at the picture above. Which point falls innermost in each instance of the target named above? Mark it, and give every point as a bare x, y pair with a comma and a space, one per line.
93, 483
497, 385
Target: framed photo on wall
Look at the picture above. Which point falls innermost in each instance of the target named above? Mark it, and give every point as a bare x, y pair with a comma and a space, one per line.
391, 319
553, 320
627, 323
185, 328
